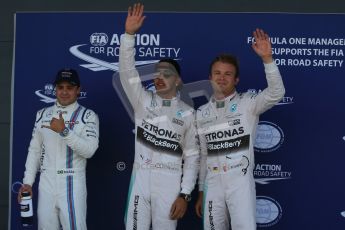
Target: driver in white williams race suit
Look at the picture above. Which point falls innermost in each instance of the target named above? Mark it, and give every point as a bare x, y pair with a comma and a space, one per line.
166, 136
226, 127
64, 137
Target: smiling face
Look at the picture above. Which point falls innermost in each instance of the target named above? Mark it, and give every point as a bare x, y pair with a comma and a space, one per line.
66, 93
166, 80
224, 79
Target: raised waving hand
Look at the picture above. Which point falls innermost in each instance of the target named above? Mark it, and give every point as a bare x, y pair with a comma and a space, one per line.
135, 18
262, 45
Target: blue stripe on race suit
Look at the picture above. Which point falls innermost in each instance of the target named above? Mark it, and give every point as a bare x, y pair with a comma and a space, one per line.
70, 202
74, 117
69, 179
69, 157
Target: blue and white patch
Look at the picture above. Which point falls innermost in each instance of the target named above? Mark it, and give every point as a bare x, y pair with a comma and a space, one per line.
233, 107
268, 211
179, 113
269, 137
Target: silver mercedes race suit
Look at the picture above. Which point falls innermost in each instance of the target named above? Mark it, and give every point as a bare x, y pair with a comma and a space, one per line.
227, 133
165, 135
62, 162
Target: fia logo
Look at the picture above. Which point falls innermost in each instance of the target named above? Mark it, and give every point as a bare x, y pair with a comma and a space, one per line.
48, 94
49, 89
98, 39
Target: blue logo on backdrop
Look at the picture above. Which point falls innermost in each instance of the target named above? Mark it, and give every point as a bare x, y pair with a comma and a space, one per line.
265, 173
269, 137
268, 211
48, 94
342, 214
99, 39
16, 186
285, 101
103, 47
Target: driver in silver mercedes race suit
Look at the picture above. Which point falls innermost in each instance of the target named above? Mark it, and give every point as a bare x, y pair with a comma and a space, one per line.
226, 127
166, 147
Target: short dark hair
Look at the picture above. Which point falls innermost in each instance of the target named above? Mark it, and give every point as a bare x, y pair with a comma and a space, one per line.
172, 62
226, 58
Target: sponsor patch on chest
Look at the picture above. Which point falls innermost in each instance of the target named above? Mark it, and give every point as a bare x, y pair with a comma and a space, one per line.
177, 121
